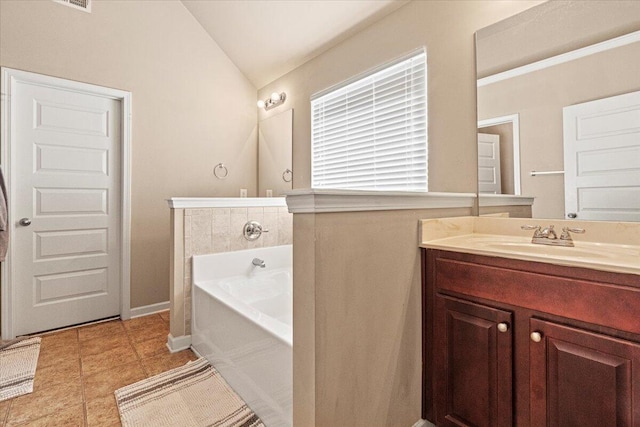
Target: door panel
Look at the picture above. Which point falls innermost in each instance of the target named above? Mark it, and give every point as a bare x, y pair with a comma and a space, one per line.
489, 171
478, 361
602, 158
583, 379
66, 157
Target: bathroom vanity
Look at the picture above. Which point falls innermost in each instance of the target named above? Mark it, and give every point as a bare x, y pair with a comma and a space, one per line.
529, 339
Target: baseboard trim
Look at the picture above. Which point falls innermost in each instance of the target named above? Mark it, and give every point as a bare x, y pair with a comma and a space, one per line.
145, 310
175, 344
423, 423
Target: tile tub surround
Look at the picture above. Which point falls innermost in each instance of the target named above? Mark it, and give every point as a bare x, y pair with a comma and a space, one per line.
201, 226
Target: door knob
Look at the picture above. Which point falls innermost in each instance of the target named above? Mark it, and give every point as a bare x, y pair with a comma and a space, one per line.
536, 336
503, 327
572, 215
25, 222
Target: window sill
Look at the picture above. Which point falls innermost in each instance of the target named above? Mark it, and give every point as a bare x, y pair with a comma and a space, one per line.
324, 201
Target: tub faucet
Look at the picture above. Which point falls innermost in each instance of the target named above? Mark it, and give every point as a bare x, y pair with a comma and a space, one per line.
257, 262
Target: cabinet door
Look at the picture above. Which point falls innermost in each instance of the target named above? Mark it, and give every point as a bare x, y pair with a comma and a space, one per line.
473, 346
582, 379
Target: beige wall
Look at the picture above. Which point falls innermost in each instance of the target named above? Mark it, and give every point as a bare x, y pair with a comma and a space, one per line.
357, 317
539, 97
446, 29
357, 342
551, 29
192, 108
506, 211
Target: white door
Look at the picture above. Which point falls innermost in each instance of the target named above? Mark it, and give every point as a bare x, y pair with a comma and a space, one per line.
602, 159
489, 164
67, 207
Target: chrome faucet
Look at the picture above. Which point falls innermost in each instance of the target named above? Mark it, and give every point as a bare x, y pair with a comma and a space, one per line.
548, 233
548, 236
257, 262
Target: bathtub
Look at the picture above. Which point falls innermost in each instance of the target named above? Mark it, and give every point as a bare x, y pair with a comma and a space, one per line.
242, 323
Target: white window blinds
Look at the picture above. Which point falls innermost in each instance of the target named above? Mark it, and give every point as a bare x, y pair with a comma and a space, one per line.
371, 134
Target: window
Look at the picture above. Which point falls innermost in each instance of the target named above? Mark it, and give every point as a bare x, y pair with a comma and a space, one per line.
371, 133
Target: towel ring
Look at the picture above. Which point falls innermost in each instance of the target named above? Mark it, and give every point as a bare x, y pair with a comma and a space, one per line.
220, 171
289, 173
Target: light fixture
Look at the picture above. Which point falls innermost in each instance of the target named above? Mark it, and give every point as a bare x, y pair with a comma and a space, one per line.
273, 101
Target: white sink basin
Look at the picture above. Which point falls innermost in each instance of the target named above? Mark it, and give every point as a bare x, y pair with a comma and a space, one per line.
606, 246
624, 258
549, 250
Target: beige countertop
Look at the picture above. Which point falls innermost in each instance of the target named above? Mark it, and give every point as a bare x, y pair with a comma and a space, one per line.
607, 246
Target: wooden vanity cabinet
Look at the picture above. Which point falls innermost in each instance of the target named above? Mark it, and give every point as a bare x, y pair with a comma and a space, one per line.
508, 342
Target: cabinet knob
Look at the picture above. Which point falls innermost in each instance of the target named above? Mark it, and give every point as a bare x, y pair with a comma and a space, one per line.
536, 336
503, 327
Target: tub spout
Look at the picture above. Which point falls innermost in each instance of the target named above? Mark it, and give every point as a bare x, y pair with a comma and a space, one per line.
257, 262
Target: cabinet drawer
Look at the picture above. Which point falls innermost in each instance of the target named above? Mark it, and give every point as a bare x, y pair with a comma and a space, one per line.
605, 304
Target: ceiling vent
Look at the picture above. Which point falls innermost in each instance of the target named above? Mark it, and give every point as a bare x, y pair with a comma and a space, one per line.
84, 5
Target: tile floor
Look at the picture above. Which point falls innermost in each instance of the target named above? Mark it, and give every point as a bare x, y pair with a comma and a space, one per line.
80, 368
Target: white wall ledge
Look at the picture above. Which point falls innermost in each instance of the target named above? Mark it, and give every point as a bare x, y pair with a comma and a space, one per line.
224, 202
324, 201
486, 200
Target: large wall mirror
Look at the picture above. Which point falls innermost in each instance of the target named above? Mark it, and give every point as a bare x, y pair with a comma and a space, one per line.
559, 109
275, 142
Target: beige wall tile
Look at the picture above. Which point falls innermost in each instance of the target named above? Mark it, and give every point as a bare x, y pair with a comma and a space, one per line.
187, 248
238, 243
187, 226
258, 243
253, 212
238, 211
200, 224
221, 243
221, 222
188, 267
201, 212
221, 211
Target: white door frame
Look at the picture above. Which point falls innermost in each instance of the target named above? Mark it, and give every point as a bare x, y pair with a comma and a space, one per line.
514, 119
10, 77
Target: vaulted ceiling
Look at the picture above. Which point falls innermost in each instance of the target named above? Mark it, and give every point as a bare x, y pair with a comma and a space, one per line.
268, 38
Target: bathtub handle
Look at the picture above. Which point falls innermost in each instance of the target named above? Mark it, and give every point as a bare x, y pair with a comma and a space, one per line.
252, 230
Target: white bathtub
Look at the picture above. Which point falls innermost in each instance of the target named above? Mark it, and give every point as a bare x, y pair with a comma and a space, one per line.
242, 323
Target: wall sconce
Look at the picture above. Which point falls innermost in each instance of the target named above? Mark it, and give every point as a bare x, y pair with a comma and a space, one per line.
273, 101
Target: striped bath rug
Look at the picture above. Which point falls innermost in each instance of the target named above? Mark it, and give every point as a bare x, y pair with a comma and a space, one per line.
18, 360
192, 395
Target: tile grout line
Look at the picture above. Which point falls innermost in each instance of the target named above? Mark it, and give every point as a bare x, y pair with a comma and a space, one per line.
84, 394
135, 350
5, 420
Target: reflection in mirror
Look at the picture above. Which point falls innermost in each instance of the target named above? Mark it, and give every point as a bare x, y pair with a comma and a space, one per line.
275, 141
559, 88
499, 162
